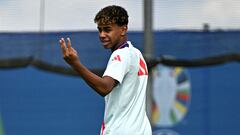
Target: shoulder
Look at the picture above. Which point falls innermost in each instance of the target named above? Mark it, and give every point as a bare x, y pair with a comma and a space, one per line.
123, 52
120, 56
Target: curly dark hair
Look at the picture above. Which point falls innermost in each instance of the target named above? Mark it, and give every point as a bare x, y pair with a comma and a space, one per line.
112, 14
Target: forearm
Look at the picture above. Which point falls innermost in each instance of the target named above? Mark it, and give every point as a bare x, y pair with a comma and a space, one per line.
101, 85
94, 81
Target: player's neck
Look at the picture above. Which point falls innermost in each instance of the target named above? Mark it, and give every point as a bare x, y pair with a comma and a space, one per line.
120, 44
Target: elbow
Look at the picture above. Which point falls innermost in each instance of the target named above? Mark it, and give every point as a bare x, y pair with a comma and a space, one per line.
104, 91
104, 86
103, 94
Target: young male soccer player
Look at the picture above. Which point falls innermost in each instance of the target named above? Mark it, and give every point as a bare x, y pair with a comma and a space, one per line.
124, 81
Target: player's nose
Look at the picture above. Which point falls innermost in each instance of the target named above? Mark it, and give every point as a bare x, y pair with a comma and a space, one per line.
102, 34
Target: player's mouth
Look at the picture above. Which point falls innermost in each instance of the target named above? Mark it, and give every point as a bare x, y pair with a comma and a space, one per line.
105, 43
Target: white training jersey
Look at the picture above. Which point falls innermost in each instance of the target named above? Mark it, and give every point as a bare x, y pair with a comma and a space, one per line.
125, 105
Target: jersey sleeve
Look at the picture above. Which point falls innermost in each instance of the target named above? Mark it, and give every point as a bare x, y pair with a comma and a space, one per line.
118, 65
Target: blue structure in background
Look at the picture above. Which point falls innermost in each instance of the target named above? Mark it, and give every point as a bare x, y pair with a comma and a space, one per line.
36, 102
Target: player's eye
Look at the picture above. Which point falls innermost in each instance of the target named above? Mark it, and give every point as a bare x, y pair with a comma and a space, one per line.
107, 30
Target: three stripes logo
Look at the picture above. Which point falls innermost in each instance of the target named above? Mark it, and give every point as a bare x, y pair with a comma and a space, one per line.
142, 68
117, 58
142, 65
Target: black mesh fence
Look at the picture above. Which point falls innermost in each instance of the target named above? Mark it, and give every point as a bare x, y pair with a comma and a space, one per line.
174, 48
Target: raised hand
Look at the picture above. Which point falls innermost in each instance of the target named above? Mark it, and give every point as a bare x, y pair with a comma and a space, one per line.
69, 54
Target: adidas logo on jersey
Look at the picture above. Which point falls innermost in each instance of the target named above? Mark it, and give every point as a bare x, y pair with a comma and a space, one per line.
117, 58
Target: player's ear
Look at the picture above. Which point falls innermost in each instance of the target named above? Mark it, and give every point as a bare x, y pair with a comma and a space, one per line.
124, 30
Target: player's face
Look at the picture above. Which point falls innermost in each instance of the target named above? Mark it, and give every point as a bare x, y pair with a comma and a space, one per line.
111, 35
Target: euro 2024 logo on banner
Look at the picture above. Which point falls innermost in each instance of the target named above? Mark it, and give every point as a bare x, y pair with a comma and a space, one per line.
171, 96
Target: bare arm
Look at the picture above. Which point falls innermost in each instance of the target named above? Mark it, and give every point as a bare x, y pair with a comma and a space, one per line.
103, 86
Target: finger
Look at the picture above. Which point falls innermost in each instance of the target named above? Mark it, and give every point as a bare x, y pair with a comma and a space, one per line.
63, 45
71, 50
69, 44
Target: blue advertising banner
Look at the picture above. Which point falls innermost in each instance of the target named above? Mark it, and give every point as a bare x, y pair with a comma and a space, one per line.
35, 102
209, 105
186, 101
